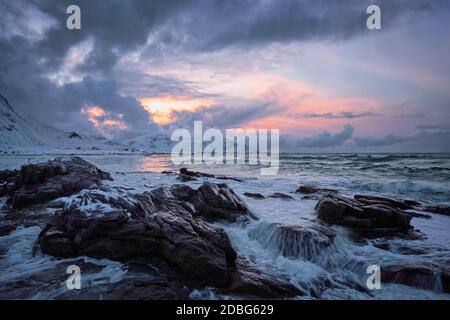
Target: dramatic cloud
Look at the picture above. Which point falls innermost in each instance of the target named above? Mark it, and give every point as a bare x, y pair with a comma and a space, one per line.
95, 79
321, 140
232, 115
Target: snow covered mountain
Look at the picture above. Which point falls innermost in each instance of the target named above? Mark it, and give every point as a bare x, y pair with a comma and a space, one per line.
151, 143
24, 134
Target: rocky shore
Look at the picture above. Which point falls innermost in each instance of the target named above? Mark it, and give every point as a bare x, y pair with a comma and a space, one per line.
168, 243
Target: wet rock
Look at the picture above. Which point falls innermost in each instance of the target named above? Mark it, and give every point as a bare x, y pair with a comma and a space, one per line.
7, 179
311, 189
422, 277
7, 228
363, 215
40, 183
292, 241
440, 209
254, 195
218, 201
170, 172
247, 282
280, 195
186, 178
378, 200
74, 135
145, 288
40, 284
187, 174
27, 217
153, 228
183, 192
445, 281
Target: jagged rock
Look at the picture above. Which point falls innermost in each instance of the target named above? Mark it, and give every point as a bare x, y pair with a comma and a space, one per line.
7, 179
187, 172
361, 214
183, 192
294, 241
217, 201
422, 277
254, 195
153, 228
186, 178
74, 135
170, 172
144, 288
440, 209
40, 183
378, 200
311, 189
191, 175
7, 228
8, 175
280, 196
34, 285
249, 283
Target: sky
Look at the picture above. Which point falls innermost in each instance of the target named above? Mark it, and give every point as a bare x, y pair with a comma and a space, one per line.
309, 68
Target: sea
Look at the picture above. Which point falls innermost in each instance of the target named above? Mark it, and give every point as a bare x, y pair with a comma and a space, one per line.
339, 271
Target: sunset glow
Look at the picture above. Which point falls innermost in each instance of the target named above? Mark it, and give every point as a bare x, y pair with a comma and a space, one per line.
99, 118
161, 108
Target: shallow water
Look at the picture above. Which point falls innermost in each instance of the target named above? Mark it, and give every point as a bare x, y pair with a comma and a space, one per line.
422, 177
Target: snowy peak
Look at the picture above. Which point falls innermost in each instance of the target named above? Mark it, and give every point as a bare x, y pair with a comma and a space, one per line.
156, 143
24, 134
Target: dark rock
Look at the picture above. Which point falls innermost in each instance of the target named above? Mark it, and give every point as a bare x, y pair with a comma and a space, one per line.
422, 277
27, 217
440, 209
280, 196
249, 283
311, 189
34, 285
445, 280
8, 175
7, 179
228, 178
254, 195
6, 229
394, 203
169, 172
144, 288
364, 215
187, 172
217, 201
194, 174
74, 135
186, 178
183, 192
153, 228
40, 183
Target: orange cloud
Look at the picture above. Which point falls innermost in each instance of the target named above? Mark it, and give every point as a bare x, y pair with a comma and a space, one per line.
99, 118
160, 108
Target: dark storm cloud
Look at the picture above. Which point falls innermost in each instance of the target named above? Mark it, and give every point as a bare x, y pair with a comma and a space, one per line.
321, 140
116, 26
340, 115
34, 43
216, 24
